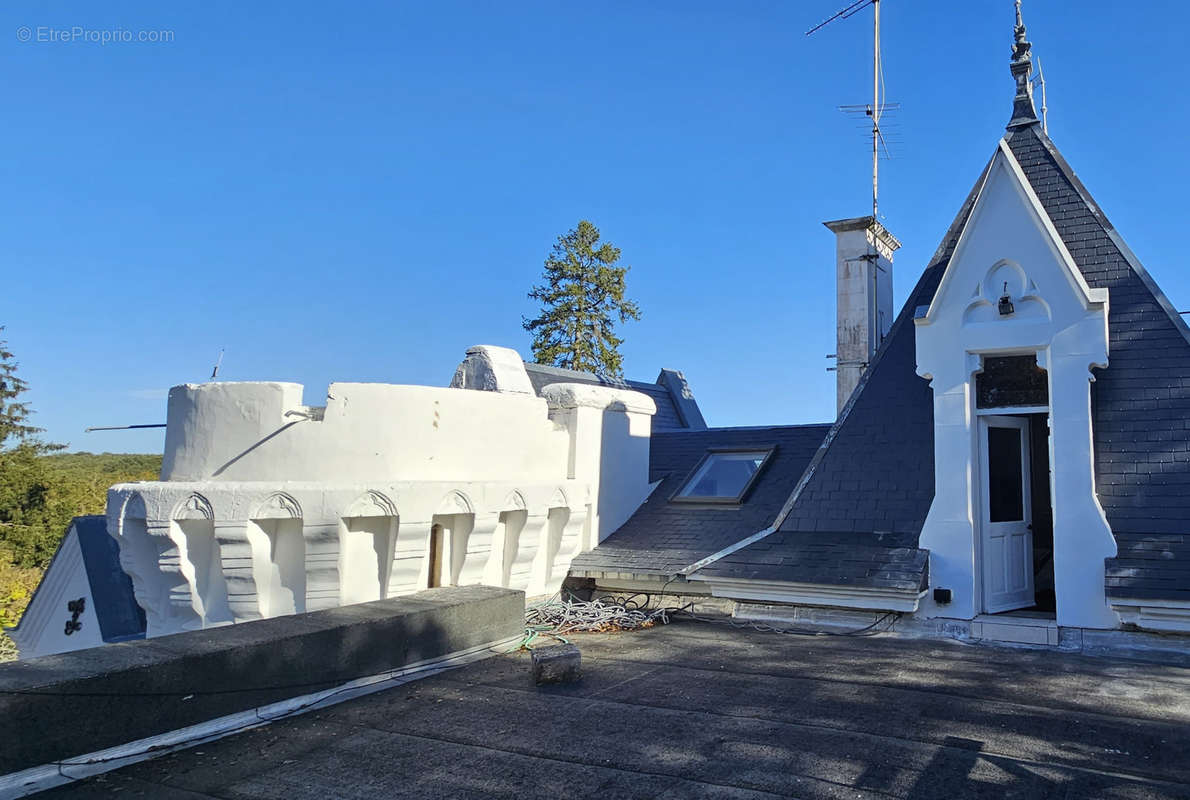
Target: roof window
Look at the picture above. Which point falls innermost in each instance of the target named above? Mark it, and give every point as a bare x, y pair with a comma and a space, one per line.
723, 476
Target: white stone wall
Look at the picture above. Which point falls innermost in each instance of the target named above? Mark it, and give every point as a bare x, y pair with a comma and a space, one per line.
269, 507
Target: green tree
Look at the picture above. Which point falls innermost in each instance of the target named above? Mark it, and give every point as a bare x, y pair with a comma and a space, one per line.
13, 412
26, 506
582, 295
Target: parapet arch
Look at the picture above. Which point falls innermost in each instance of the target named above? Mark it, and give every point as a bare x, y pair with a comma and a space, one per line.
455, 502
278, 505
558, 499
372, 504
133, 508
193, 507
515, 501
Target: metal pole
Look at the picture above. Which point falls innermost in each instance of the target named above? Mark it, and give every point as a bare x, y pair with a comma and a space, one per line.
121, 427
875, 105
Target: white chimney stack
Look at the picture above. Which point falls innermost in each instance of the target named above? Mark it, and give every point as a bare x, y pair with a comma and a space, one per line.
864, 311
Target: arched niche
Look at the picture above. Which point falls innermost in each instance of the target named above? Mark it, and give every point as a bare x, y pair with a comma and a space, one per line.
452, 525
192, 527
368, 534
274, 534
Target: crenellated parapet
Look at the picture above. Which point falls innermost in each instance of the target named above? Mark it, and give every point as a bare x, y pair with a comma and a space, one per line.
267, 506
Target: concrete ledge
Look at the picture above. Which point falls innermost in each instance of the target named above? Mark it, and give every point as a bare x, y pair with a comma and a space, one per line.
61, 706
808, 617
1162, 616
584, 395
813, 594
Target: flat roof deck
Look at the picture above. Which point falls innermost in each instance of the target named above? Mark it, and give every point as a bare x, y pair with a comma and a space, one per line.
696, 710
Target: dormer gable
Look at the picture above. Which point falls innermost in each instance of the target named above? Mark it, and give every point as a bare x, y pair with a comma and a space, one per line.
1011, 281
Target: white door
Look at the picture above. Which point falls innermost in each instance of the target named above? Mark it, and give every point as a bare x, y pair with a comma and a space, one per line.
1007, 530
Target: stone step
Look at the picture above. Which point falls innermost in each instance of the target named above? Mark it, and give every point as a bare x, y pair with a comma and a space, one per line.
1019, 630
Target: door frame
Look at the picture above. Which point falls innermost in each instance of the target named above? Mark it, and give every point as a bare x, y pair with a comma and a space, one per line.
998, 418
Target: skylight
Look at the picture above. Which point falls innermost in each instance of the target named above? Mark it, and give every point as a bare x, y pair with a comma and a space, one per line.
723, 476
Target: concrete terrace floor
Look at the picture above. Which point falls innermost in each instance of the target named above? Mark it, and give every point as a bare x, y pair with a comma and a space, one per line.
696, 710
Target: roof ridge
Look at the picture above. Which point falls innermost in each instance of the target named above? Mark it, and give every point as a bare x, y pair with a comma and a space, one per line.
1067, 172
903, 318
549, 369
723, 428
951, 237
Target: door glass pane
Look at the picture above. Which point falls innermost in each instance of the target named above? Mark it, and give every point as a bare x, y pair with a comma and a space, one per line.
1005, 487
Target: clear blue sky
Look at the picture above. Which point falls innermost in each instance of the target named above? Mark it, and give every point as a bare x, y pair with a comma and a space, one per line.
358, 192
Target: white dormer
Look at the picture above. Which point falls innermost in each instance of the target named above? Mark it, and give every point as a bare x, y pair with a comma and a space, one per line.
1012, 293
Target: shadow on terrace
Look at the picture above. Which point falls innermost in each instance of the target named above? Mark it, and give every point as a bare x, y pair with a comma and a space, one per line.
705, 710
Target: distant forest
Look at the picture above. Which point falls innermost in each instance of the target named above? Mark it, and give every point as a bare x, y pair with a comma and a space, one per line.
39, 494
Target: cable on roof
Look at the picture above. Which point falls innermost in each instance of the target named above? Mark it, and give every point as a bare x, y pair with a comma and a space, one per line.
556, 616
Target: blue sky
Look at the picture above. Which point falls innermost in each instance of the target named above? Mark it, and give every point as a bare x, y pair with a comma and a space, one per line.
358, 193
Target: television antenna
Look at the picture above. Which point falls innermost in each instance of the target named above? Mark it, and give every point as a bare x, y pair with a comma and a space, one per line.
877, 108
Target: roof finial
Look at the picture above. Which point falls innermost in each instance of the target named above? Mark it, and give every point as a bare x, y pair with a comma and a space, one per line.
1023, 112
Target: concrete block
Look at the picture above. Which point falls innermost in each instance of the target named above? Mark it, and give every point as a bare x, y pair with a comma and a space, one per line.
560, 663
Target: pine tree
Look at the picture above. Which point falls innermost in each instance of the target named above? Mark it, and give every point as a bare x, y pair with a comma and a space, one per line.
25, 485
581, 296
13, 413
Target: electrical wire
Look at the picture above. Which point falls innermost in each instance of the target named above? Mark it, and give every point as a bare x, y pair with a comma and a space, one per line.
555, 617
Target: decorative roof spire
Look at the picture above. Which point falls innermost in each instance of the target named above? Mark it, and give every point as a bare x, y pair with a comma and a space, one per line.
1023, 112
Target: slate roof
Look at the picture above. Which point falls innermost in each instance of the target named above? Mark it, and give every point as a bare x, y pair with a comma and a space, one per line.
857, 514
676, 407
120, 618
1141, 402
858, 511
662, 538
119, 615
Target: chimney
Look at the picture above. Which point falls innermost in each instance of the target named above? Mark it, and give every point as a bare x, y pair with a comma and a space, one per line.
864, 310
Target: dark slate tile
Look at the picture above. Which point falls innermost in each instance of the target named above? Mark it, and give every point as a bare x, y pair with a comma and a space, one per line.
700, 532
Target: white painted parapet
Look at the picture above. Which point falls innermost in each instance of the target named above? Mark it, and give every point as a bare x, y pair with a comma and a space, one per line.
268, 507
271, 549
262, 431
609, 449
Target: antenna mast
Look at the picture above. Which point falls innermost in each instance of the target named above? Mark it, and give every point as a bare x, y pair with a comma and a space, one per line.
877, 108
1045, 111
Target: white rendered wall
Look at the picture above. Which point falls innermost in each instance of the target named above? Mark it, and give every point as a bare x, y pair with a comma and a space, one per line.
1009, 239
267, 507
262, 431
609, 450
